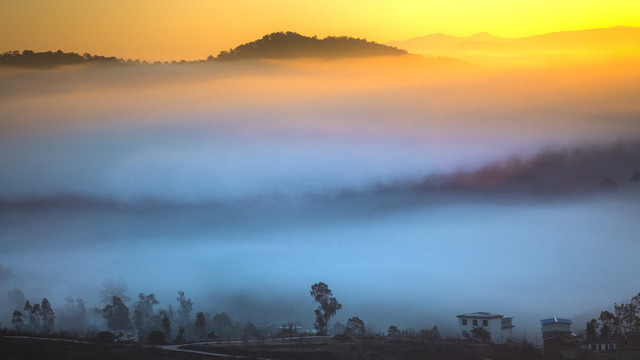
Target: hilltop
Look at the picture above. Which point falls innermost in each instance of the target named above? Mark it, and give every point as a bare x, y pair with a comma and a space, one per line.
287, 45
278, 45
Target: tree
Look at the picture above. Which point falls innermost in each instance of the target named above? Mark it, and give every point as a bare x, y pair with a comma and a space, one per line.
166, 325
48, 317
28, 309
143, 313
355, 327
200, 324
117, 314
34, 318
17, 320
609, 328
138, 321
73, 316
592, 328
435, 333
328, 306
184, 311
393, 331
481, 334
223, 326
180, 337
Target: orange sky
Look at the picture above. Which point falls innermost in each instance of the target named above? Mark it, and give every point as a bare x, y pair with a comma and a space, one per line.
194, 29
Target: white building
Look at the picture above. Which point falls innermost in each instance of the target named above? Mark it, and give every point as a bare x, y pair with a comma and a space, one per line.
497, 325
555, 324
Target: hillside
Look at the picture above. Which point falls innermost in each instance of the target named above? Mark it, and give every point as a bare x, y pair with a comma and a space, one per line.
281, 45
49, 59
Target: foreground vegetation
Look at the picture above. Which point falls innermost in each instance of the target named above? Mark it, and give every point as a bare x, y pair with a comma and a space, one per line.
338, 347
37, 349
344, 347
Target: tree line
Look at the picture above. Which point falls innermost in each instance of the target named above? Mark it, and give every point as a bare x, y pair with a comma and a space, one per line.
328, 305
279, 45
48, 59
122, 316
625, 318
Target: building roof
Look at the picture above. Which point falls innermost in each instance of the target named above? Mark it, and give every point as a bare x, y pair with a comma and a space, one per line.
480, 315
554, 320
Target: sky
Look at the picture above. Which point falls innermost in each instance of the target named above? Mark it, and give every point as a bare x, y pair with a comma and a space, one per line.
194, 29
416, 188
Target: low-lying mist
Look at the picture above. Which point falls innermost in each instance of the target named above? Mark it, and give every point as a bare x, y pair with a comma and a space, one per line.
416, 188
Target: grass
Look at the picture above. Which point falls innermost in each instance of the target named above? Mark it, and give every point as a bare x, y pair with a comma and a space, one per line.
381, 348
21, 349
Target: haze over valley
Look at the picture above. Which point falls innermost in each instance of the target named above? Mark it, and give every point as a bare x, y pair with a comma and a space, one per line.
417, 187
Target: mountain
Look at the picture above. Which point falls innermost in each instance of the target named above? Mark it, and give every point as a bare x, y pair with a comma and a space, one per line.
287, 45
582, 44
617, 38
440, 42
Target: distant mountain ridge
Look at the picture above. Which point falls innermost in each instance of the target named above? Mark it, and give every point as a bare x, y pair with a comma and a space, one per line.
620, 39
440, 41
282, 45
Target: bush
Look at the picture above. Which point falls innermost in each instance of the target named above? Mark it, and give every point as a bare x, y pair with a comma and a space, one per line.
105, 337
156, 338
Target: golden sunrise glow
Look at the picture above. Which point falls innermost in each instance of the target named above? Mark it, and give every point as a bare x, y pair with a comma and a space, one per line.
194, 29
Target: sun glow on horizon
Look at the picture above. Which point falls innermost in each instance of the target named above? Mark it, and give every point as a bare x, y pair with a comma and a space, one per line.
194, 29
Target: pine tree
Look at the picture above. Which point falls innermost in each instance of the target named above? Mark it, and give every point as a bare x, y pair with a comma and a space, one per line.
117, 315
48, 317
17, 320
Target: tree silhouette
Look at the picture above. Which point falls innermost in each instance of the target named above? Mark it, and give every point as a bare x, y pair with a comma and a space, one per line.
184, 310
166, 324
17, 320
355, 327
49, 59
34, 318
200, 324
393, 331
281, 45
117, 314
48, 317
328, 306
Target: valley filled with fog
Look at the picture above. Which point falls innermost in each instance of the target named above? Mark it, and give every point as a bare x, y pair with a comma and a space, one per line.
417, 189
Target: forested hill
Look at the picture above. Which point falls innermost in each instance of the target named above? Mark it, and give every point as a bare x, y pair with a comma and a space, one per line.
285, 45
279, 45
48, 59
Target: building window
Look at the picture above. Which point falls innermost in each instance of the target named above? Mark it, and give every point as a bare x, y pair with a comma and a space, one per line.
593, 346
475, 322
464, 322
485, 322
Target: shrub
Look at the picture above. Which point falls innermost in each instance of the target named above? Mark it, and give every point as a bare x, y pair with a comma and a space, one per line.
156, 338
105, 337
